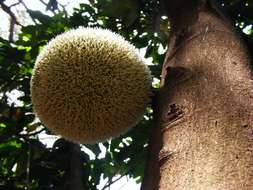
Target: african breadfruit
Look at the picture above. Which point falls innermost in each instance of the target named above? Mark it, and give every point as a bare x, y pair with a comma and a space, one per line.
89, 85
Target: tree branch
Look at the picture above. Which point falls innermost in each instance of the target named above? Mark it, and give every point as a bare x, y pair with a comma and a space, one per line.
9, 12
11, 29
13, 19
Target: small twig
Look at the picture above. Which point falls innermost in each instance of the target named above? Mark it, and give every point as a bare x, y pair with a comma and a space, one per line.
37, 132
13, 5
32, 134
49, 138
24, 5
124, 183
110, 182
43, 2
64, 9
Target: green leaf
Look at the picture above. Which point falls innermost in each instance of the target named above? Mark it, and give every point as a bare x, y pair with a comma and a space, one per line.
43, 19
52, 5
2, 125
124, 9
10, 145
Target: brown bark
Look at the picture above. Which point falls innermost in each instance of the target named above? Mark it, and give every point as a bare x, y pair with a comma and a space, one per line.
13, 19
74, 178
204, 110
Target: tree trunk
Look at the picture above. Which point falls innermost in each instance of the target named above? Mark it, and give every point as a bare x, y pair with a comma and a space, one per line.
203, 137
74, 177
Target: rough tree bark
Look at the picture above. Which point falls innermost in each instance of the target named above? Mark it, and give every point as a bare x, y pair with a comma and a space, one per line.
74, 176
203, 138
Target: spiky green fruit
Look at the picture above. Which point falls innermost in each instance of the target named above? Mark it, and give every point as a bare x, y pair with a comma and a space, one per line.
89, 85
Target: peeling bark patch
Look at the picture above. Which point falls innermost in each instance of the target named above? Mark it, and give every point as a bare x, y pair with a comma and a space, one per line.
174, 111
177, 74
172, 114
164, 156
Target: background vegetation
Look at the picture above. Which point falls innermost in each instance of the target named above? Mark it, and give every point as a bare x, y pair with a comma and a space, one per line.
26, 162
